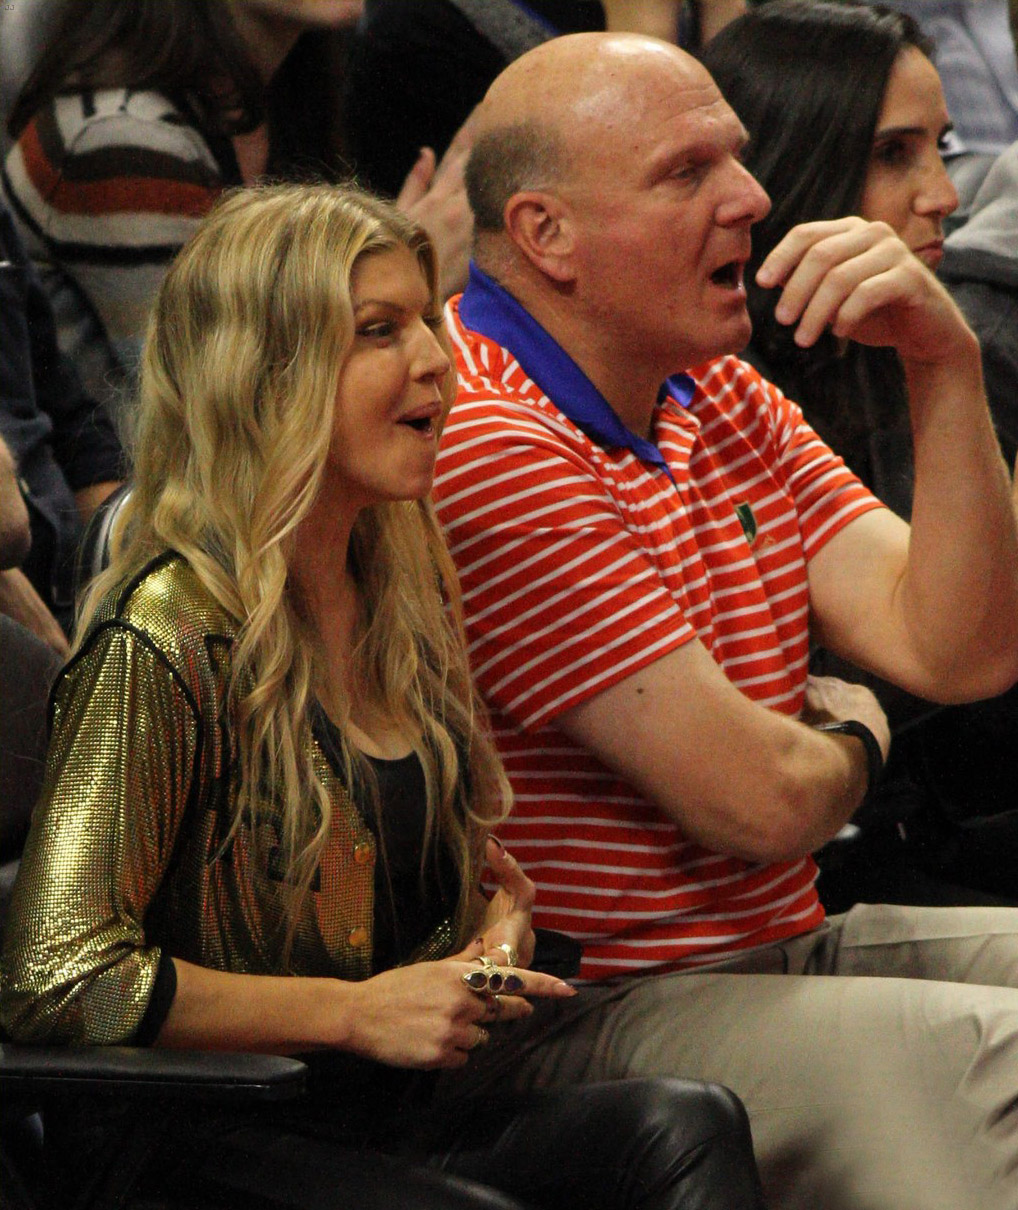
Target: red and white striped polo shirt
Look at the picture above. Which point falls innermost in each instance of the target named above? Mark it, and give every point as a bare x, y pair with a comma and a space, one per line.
581, 564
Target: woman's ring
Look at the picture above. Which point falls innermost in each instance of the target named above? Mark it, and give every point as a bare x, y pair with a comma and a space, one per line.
510, 953
493, 974
481, 1039
490, 980
477, 981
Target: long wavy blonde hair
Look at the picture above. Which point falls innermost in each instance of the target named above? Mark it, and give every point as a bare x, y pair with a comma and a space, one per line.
238, 391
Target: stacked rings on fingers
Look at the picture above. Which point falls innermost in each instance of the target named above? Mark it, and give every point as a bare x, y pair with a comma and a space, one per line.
491, 979
501, 979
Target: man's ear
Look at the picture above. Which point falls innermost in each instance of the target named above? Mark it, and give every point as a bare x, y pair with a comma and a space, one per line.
542, 228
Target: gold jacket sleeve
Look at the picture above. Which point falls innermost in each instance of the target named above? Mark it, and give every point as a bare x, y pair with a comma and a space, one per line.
77, 966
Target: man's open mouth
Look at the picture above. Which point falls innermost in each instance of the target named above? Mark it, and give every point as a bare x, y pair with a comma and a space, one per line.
729, 275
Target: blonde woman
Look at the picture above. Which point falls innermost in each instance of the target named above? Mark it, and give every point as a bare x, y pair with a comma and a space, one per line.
269, 784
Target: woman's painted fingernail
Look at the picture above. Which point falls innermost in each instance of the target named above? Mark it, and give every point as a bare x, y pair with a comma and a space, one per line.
492, 837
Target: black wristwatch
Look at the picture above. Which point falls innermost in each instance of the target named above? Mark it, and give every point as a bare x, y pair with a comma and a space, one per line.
874, 756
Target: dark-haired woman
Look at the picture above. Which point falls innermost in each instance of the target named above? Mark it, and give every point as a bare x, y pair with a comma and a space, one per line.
140, 112
846, 115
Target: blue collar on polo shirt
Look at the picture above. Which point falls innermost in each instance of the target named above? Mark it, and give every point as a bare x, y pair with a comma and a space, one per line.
492, 311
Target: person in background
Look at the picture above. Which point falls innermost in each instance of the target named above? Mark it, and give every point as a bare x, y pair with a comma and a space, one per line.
417, 70
980, 267
120, 150
270, 788
28, 665
63, 449
824, 150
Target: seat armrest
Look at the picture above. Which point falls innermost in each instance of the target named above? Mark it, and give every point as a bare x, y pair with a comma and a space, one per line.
148, 1072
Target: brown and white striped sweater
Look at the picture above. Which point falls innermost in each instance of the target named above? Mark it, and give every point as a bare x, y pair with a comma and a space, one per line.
106, 186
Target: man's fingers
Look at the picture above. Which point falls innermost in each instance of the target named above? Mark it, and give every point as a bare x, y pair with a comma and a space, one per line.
810, 253
850, 293
846, 278
463, 140
867, 300
790, 250
828, 273
830, 699
848, 254
448, 177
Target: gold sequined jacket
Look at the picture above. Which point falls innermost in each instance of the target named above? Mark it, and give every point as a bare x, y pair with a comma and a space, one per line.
127, 854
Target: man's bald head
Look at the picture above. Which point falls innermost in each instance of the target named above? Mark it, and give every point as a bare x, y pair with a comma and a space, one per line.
557, 100
613, 206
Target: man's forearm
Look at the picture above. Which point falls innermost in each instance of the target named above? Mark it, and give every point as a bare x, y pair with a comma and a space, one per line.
933, 608
959, 593
736, 776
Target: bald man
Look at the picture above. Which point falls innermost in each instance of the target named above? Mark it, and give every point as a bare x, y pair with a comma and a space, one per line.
649, 537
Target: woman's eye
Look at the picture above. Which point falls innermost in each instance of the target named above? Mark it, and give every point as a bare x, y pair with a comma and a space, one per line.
891, 154
379, 330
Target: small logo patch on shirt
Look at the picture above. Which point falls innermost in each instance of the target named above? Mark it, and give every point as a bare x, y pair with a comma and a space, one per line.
746, 520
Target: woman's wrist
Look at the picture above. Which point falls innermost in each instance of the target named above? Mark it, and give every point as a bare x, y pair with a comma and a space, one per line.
333, 1010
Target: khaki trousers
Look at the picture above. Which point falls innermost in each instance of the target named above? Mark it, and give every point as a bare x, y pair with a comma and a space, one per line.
877, 1055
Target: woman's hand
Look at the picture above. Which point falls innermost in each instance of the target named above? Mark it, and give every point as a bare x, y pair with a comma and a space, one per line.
425, 1016
421, 1016
506, 919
